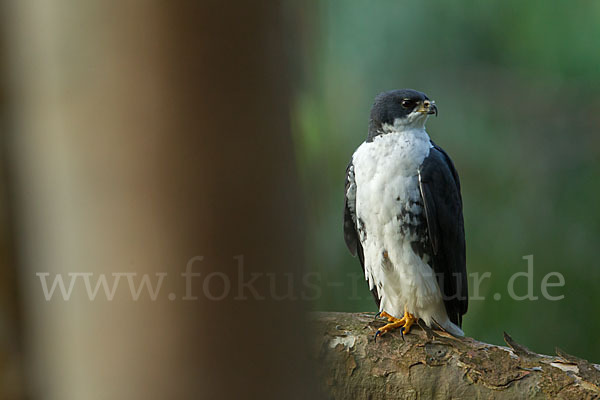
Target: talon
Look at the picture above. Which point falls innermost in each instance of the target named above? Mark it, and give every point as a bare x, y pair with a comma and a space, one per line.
378, 314
403, 323
376, 334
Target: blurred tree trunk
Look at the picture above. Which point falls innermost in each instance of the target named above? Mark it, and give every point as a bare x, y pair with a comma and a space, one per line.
353, 366
11, 373
148, 133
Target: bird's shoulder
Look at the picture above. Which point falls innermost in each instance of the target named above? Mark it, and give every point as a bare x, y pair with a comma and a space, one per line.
438, 159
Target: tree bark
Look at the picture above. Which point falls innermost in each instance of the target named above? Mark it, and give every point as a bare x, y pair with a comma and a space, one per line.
435, 365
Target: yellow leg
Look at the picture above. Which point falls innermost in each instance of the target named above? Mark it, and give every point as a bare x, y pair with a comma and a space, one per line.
403, 323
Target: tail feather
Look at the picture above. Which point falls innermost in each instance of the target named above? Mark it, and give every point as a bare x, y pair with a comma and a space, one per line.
451, 328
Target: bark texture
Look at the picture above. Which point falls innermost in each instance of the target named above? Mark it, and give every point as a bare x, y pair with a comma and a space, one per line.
433, 365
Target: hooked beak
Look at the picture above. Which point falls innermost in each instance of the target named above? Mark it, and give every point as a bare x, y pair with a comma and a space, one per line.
428, 107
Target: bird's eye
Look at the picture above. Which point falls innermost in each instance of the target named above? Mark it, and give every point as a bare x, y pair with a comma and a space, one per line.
407, 103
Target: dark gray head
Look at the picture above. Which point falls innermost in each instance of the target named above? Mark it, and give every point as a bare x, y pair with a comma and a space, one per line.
399, 109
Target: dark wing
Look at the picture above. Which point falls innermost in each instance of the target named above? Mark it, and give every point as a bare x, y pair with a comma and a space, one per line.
350, 233
351, 223
440, 189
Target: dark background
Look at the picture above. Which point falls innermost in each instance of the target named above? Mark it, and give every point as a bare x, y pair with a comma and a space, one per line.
517, 88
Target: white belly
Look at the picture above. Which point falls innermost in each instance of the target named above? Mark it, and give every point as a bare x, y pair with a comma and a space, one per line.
387, 191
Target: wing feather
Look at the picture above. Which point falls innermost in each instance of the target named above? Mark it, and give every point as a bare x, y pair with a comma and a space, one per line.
440, 189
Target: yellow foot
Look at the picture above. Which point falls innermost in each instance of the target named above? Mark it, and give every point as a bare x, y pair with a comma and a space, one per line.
383, 314
403, 323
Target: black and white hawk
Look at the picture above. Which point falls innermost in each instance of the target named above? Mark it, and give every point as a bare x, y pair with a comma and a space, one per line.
403, 217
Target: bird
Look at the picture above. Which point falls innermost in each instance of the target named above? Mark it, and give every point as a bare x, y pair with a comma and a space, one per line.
403, 218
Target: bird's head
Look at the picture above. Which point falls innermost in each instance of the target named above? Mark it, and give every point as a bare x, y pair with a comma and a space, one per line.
400, 110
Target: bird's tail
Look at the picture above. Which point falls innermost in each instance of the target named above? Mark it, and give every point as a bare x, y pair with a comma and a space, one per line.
454, 329
451, 328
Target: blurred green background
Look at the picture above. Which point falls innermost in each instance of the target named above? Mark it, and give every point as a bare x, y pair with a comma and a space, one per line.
517, 86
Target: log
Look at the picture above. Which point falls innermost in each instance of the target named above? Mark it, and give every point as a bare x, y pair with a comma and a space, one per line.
434, 365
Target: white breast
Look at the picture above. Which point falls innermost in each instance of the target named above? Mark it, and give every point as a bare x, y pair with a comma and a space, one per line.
386, 176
